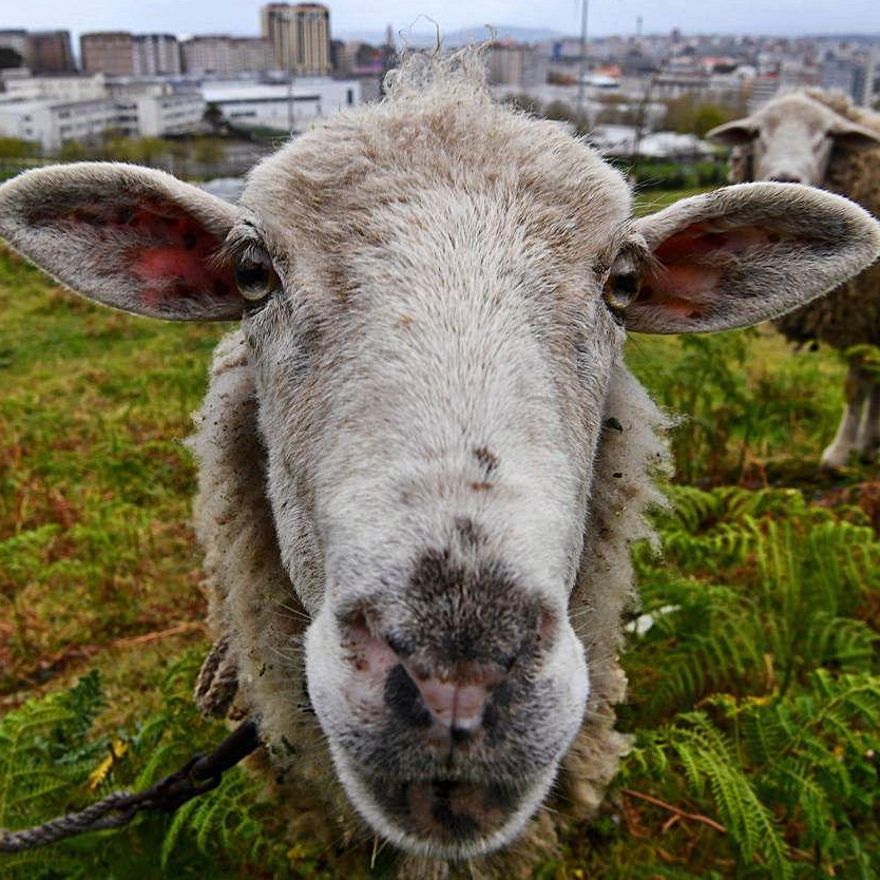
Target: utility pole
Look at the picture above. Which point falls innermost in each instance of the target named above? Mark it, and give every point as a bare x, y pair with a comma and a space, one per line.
287, 36
582, 67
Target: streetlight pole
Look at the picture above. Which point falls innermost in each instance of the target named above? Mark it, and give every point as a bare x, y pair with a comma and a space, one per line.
582, 67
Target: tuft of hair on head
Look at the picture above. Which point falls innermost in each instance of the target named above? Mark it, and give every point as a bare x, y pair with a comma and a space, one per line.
421, 73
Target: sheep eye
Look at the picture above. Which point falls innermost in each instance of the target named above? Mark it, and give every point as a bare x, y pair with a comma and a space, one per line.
255, 276
620, 291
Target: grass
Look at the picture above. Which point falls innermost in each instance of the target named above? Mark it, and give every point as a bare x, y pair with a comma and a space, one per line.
98, 571
95, 486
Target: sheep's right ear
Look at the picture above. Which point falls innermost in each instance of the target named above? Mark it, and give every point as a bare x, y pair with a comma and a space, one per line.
733, 134
852, 136
740, 255
130, 237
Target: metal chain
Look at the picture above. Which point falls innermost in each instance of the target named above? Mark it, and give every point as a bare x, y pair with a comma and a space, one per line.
201, 773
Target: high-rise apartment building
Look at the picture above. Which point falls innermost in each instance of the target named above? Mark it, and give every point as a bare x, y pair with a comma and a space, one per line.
251, 53
156, 55
516, 64
272, 27
207, 53
224, 54
109, 52
300, 36
50, 52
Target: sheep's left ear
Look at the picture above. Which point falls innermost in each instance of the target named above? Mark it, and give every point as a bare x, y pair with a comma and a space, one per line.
129, 237
745, 254
733, 134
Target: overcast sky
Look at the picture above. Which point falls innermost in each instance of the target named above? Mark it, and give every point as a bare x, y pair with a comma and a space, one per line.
790, 17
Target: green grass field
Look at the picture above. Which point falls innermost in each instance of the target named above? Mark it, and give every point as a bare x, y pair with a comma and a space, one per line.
755, 696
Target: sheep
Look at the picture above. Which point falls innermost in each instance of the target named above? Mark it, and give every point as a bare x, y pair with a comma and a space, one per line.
421, 456
820, 138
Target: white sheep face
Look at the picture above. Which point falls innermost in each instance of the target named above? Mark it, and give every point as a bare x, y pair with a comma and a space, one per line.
454, 375
455, 393
433, 293
791, 138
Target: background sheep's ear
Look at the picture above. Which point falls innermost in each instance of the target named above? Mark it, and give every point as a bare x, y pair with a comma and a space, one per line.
733, 134
129, 237
744, 254
852, 136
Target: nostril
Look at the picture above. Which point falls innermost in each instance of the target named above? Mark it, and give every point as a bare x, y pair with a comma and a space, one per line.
404, 699
401, 646
355, 625
548, 625
368, 653
460, 736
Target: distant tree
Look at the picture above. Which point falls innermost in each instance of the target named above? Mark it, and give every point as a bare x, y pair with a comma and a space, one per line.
9, 58
367, 55
560, 110
208, 151
146, 150
116, 146
214, 117
179, 151
617, 110
708, 116
72, 151
525, 102
15, 148
687, 115
680, 114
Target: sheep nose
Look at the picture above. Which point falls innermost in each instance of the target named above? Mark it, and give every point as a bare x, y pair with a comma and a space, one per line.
454, 703
785, 177
458, 704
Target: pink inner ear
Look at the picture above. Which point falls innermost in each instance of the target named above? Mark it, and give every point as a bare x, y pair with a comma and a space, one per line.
687, 274
170, 252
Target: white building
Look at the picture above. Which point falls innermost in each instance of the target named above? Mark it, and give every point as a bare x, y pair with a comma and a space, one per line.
54, 123
63, 87
622, 140
160, 115
281, 106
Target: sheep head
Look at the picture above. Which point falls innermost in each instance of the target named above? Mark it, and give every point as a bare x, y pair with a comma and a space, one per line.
434, 293
792, 137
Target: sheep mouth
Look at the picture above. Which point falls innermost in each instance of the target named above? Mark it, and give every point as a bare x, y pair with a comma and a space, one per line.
451, 818
448, 811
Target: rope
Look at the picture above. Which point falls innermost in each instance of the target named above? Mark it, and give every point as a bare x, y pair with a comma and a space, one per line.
200, 774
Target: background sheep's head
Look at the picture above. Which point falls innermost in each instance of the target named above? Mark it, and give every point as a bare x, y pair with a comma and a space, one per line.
434, 294
792, 137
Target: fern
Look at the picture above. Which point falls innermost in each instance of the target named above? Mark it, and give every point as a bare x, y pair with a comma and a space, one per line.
769, 639
755, 701
224, 819
799, 578
43, 757
48, 750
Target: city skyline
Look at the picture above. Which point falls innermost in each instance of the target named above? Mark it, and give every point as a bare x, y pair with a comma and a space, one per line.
349, 19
